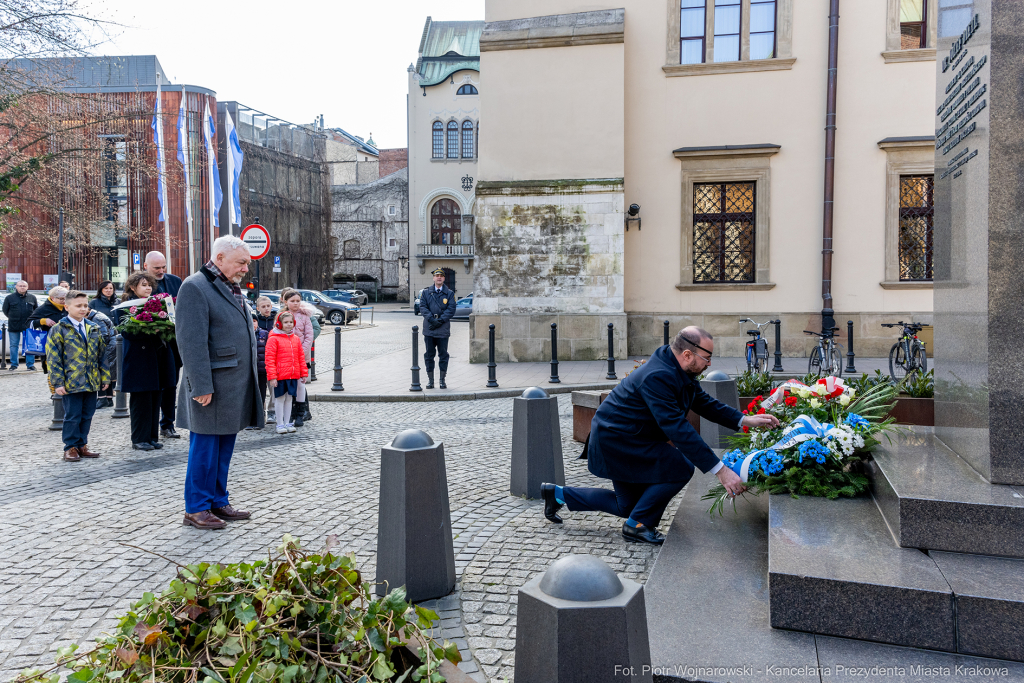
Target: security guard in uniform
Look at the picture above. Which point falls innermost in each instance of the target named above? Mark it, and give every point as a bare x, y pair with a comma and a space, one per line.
437, 306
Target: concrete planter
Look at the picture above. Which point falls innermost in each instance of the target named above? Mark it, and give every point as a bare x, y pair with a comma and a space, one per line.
914, 411
586, 403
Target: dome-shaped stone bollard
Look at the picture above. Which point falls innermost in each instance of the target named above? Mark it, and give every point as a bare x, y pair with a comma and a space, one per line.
718, 385
580, 623
536, 443
414, 523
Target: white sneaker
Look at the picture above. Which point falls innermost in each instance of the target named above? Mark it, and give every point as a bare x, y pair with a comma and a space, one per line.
291, 429
283, 429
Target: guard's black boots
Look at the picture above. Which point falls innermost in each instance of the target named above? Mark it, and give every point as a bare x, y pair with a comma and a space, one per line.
443, 385
642, 534
430, 380
551, 506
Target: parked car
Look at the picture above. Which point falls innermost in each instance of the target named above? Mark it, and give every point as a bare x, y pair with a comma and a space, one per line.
339, 295
359, 297
275, 300
463, 308
337, 312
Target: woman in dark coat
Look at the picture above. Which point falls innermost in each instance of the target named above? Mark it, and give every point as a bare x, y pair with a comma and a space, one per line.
147, 369
105, 300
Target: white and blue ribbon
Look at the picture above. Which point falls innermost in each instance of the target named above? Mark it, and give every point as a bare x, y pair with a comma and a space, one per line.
804, 428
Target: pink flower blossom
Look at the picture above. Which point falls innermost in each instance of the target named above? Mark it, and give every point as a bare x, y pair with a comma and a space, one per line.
163, 314
161, 295
153, 305
144, 317
133, 310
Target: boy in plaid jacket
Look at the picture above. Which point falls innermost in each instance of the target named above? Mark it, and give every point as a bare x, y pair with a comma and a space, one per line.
74, 354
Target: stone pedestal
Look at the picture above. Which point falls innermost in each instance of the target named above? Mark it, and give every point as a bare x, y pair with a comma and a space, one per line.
536, 443
414, 526
580, 623
720, 386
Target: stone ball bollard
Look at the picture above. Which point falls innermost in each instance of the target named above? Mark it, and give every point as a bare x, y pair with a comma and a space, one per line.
536, 443
414, 523
579, 623
718, 385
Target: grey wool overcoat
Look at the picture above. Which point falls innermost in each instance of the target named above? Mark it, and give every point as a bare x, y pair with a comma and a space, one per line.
218, 355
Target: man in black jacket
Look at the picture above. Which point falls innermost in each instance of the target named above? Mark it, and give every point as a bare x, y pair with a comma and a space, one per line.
18, 307
641, 440
437, 306
156, 265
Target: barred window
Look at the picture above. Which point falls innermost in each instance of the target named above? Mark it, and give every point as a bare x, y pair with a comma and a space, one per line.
453, 140
723, 232
445, 222
691, 32
916, 213
468, 148
913, 24
438, 140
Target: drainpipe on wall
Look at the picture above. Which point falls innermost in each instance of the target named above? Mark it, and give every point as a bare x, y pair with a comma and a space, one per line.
827, 313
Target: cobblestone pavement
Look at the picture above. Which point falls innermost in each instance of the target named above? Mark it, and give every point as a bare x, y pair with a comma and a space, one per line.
65, 574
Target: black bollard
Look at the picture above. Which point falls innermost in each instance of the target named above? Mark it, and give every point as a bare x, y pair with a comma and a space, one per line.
492, 367
57, 423
536, 444
415, 359
3, 347
312, 362
666, 333
337, 361
554, 355
611, 352
850, 355
120, 399
778, 346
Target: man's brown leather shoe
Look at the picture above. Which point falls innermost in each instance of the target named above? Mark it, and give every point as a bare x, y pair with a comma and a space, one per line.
229, 513
84, 452
203, 520
71, 455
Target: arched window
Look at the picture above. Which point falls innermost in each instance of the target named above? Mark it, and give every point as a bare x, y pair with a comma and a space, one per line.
438, 140
453, 140
467, 90
445, 222
468, 148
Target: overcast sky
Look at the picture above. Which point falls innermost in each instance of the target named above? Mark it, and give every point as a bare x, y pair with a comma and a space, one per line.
346, 60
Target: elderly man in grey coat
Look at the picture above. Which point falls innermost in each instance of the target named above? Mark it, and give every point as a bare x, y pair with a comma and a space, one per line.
218, 396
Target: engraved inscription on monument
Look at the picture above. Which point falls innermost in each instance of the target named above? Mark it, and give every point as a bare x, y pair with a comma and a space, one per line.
965, 99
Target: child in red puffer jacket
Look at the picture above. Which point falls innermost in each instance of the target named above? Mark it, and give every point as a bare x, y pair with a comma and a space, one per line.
286, 369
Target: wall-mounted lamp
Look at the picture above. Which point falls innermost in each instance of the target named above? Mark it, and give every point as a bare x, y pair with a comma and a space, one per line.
633, 215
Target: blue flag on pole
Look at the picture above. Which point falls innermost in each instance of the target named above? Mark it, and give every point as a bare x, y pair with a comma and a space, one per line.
183, 155
234, 162
209, 131
158, 140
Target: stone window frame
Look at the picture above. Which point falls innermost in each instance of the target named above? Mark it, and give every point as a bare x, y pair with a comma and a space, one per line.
725, 164
914, 155
783, 60
892, 53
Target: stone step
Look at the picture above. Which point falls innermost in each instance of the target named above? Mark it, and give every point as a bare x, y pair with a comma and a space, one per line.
934, 500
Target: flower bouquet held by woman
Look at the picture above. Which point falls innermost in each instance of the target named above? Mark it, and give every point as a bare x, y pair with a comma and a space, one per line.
153, 315
825, 431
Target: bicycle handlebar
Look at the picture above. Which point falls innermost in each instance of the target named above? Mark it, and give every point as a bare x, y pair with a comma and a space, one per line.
759, 325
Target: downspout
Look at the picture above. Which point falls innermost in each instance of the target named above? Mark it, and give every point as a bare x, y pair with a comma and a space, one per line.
827, 313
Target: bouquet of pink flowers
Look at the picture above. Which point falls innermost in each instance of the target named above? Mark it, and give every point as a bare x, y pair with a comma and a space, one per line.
154, 315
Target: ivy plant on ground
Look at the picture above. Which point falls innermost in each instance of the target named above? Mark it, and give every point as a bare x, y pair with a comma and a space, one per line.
296, 617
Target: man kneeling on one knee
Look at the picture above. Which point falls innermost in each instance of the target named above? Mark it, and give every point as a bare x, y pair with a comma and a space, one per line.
641, 440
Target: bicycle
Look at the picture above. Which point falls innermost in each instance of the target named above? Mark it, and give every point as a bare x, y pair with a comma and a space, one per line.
827, 356
757, 348
907, 355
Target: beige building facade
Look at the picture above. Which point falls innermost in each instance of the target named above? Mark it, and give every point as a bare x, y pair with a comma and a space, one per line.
444, 133
709, 115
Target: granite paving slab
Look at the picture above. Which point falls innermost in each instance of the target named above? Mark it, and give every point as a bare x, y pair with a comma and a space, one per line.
933, 499
842, 661
989, 603
834, 569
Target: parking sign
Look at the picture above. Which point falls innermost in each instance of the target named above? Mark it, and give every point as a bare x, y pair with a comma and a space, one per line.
277, 264
136, 260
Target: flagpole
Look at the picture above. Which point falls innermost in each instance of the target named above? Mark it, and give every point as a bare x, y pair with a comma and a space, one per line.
184, 157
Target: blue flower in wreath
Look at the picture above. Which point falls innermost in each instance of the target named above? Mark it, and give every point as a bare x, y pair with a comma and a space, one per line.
732, 457
812, 450
856, 421
771, 463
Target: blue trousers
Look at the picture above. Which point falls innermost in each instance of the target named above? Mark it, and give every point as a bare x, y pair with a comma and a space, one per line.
206, 479
645, 503
30, 360
78, 411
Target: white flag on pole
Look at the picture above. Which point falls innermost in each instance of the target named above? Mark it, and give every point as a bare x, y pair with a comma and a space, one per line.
234, 162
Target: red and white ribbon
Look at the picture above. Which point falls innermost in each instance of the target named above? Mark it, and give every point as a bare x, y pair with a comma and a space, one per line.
831, 384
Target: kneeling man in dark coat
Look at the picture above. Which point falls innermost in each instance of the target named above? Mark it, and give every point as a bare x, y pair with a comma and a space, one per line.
641, 440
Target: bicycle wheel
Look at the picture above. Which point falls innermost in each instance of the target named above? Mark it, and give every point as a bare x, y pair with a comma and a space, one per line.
920, 358
814, 363
750, 358
898, 362
835, 361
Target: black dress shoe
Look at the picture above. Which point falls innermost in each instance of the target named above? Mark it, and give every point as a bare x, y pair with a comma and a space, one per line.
144, 446
169, 433
156, 444
642, 534
551, 506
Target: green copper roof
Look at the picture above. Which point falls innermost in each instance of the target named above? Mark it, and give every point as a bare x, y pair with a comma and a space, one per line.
447, 47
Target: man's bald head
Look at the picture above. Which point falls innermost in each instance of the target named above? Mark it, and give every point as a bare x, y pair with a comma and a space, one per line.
155, 264
690, 339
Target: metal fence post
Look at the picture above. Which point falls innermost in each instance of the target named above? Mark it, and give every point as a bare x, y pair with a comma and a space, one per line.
666, 334
850, 355
312, 362
337, 361
3, 348
554, 355
492, 367
778, 346
611, 352
415, 386
120, 400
